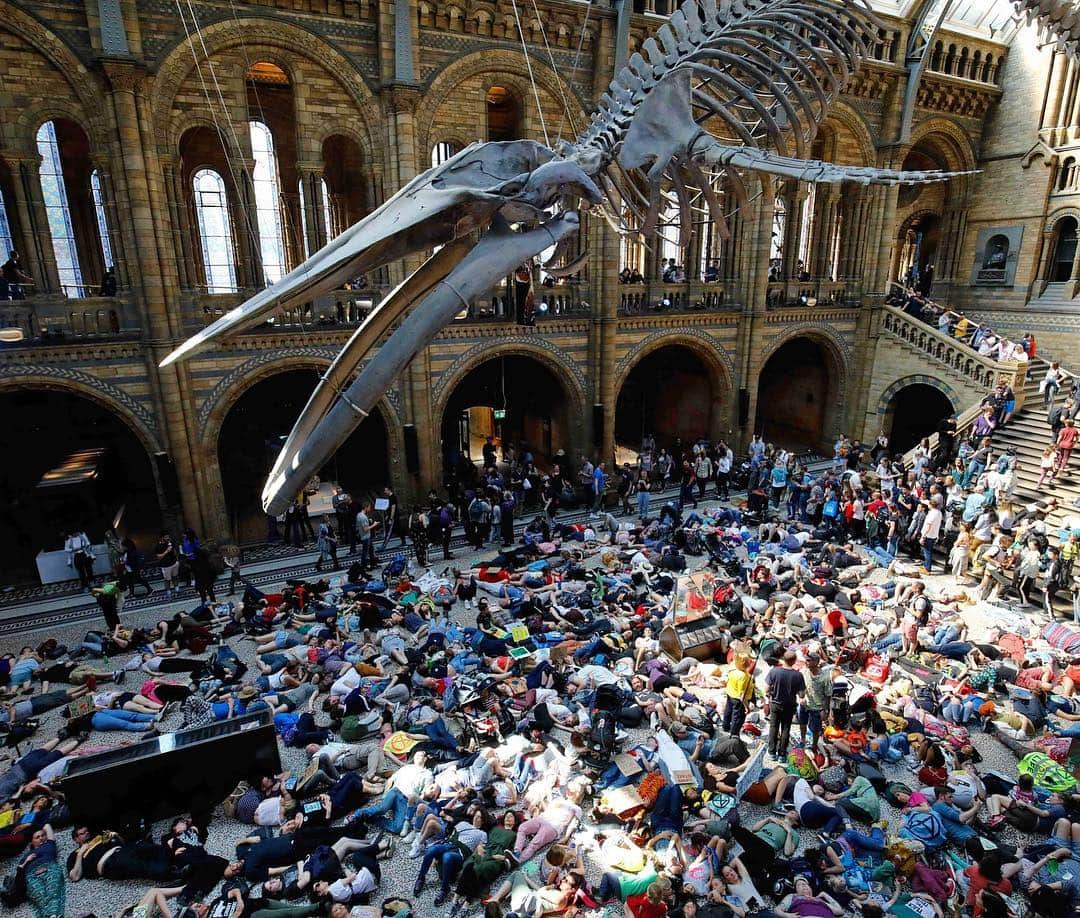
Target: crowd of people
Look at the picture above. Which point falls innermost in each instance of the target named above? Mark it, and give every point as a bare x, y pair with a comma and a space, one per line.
878, 719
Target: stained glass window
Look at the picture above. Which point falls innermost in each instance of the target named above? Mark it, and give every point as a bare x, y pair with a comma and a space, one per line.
215, 233
267, 202
102, 222
58, 211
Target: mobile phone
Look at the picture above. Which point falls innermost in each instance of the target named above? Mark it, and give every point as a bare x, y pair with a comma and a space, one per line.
290, 784
312, 806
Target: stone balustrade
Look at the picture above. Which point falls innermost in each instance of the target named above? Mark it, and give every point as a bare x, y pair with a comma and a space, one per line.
691, 296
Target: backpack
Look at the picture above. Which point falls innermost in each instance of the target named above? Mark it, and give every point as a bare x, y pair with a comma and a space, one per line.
903, 855
395, 568
357, 727
229, 806
873, 775
1046, 773
831, 509
801, 764
925, 827
833, 779
13, 888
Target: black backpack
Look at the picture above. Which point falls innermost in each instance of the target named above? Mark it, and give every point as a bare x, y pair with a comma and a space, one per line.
13, 889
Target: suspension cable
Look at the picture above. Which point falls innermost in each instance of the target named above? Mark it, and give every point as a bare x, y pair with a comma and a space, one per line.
532, 78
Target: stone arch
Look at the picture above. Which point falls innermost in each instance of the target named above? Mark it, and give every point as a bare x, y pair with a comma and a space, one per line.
227, 392
31, 119
551, 356
953, 145
497, 62
843, 114
911, 219
913, 380
838, 356
133, 413
176, 64
712, 353
1058, 215
64, 58
914, 422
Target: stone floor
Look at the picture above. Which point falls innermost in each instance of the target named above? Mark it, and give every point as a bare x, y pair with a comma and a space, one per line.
104, 898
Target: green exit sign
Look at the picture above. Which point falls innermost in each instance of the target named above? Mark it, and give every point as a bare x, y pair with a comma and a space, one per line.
500, 414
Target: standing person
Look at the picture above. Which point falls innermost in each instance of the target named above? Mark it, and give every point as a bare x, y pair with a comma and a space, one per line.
724, 458
80, 552
778, 482
390, 518
739, 691
444, 517
418, 532
13, 277
230, 557
345, 510
365, 528
169, 561
931, 531
303, 499
506, 520
599, 482
641, 488
189, 548
1050, 384
131, 568
814, 707
703, 470
327, 544
203, 575
108, 597
1066, 440
783, 685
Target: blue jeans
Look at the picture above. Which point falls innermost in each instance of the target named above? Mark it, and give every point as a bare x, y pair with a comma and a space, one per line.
864, 844
890, 748
612, 777
132, 721
928, 553
957, 712
449, 859
643, 504
890, 640
973, 470
439, 734
390, 811
816, 815
667, 812
946, 634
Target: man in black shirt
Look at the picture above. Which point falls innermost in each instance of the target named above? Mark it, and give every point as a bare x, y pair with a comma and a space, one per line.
784, 685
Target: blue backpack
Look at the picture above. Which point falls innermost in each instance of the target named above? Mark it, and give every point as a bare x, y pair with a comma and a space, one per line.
395, 568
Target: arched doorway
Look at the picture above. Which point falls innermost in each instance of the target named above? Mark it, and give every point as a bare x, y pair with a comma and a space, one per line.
914, 412
512, 398
252, 434
919, 242
1064, 254
796, 390
670, 393
43, 432
503, 114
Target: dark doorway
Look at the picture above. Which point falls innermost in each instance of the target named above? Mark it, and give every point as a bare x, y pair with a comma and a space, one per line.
1064, 251
794, 392
253, 432
503, 114
510, 399
916, 412
670, 394
43, 428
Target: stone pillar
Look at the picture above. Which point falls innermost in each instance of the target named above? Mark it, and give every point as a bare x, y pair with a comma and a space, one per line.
758, 233
311, 190
825, 207
35, 220
36, 244
603, 335
1055, 91
180, 217
162, 327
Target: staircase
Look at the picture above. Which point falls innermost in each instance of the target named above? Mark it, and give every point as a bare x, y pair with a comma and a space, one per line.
1027, 434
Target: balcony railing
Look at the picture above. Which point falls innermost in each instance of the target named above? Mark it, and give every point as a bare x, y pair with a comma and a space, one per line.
826, 293
688, 297
561, 301
339, 308
53, 318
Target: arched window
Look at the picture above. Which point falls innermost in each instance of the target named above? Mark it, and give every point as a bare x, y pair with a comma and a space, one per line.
441, 152
267, 202
328, 217
215, 233
102, 222
503, 114
58, 211
6, 241
1064, 251
303, 220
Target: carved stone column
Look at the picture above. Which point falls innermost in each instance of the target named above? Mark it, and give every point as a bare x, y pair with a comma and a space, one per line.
39, 260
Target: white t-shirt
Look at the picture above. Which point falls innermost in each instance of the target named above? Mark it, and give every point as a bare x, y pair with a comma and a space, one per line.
268, 813
560, 813
362, 883
802, 794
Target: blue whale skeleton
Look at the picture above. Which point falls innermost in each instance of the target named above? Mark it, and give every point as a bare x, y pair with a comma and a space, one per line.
726, 87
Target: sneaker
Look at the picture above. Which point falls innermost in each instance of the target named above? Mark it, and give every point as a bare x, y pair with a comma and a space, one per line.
418, 887
441, 898
416, 849
118, 676
996, 821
